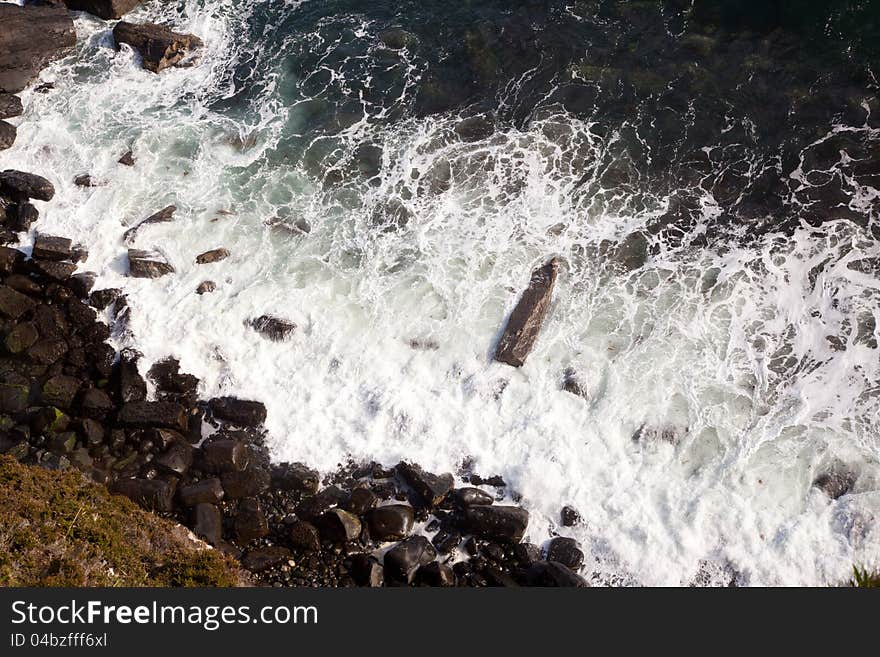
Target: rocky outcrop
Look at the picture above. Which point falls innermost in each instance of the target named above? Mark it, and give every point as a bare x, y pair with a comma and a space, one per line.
106, 9
524, 323
20, 186
147, 264
10, 106
30, 38
273, 328
158, 45
214, 255
7, 135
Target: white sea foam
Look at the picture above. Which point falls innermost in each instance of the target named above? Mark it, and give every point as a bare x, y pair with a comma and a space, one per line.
721, 359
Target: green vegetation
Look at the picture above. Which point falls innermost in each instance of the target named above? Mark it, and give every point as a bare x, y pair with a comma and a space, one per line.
864, 579
59, 529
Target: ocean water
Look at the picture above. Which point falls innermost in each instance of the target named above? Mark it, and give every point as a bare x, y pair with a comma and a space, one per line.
387, 174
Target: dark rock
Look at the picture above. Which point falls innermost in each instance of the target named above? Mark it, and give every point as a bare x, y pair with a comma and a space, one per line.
10, 259
360, 501
239, 412
430, 487
295, 477
53, 270
565, 551
552, 573
274, 328
215, 255
82, 317
470, 496
22, 337
304, 536
497, 577
435, 574
144, 414
47, 352
312, 507
93, 432
100, 299
106, 9
526, 554
127, 159
836, 483
225, 455
21, 185
571, 383
265, 558
367, 571
60, 391
50, 247
10, 106
21, 217
446, 540
131, 385
85, 180
570, 517
207, 523
8, 134
62, 442
176, 460
338, 526
502, 523
404, 559
250, 521
391, 523
30, 38
205, 287
245, 483
51, 322
14, 304
147, 264
158, 45
164, 215
82, 283
154, 494
95, 404
528, 316
170, 381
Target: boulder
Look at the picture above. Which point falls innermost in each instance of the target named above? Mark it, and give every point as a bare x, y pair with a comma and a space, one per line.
225, 455
207, 522
172, 383
265, 558
175, 460
240, 412
154, 494
147, 264
30, 38
14, 304
312, 507
295, 477
54, 270
50, 247
205, 287
570, 516
565, 551
10, 106
130, 384
250, 522
60, 391
10, 259
273, 328
24, 284
446, 540
22, 337
127, 159
81, 284
100, 299
106, 9
338, 526
524, 324
95, 404
470, 496
360, 501
145, 414
164, 215
21, 216
8, 133
304, 536
21, 185
404, 559
367, 571
552, 573
158, 45
85, 180
214, 255
526, 554
47, 352
390, 523
249, 482
835, 483
501, 523
435, 574
430, 487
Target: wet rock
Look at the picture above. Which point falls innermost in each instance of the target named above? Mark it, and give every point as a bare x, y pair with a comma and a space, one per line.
474, 128
404, 559
240, 412
21, 338
360, 501
24, 284
367, 571
147, 264
154, 494
397, 38
312, 507
21, 217
571, 383
127, 159
158, 45
250, 522
21, 185
836, 483
430, 487
206, 287
100, 299
304, 536
53, 270
265, 558
435, 574
47, 352
10, 259
85, 180
81, 284
524, 324
225, 455
470, 496
50, 247
446, 540
30, 38
145, 414
273, 328
130, 383
552, 573
526, 554
390, 523
215, 255
207, 523
60, 391
10, 106
172, 383
565, 551
92, 432
249, 482
14, 304
164, 215
106, 9
295, 477
502, 523
8, 134
338, 526
175, 460
95, 404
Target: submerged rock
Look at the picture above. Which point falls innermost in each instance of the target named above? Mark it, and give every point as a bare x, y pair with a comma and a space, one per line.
565, 551
835, 483
30, 38
205, 287
274, 328
215, 255
430, 487
528, 315
158, 45
147, 264
164, 215
127, 159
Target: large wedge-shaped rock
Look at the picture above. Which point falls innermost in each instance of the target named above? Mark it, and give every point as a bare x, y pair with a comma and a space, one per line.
527, 317
30, 38
21, 186
147, 264
158, 45
105, 9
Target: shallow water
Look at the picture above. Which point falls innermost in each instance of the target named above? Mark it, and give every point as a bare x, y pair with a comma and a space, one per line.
714, 201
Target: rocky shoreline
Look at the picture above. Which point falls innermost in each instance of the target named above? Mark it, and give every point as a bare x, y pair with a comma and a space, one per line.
69, 401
